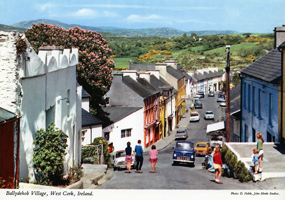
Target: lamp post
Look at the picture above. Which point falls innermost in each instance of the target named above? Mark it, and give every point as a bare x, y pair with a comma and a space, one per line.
228, 126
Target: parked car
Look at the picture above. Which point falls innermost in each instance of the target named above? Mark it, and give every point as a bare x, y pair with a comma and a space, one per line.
217, 141
198, 96
181, 134
119, 160
211, 94
194, 116
221, 99
200, 92
223, 104
184, 152
202, 148
198, 104
209, 115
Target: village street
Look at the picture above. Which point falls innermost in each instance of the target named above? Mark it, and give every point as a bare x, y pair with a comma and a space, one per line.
182, 176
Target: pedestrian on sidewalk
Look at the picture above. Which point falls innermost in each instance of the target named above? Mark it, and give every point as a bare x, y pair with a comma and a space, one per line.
139, 156
254, 162
153, 158
218, 164
260, 142
129, 157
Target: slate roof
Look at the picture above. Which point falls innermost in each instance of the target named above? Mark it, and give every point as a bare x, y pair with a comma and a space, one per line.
114, 114
141, 86
159, 83
142, 67
235, 100
85, 94
174, 72
267, 68
206, 75
5, 115
89, 119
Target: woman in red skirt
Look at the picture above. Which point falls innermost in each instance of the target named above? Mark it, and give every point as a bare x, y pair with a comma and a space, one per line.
153, 158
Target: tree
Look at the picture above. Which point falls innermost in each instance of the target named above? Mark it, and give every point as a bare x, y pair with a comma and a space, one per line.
236, 79
48, 155
94, 70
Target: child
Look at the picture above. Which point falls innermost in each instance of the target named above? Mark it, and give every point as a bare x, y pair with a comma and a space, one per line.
153, 158
255, 160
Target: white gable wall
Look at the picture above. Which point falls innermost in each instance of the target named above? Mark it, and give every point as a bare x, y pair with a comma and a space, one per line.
134, 122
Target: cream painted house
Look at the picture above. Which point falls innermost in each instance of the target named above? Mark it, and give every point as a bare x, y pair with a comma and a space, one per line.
41, 88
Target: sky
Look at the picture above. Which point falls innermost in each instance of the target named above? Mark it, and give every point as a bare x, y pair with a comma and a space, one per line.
254, 16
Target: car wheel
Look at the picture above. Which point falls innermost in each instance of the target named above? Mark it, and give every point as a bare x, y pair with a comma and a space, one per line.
115, 168
174, 163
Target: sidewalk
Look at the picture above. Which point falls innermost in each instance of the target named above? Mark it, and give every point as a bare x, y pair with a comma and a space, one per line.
273, 164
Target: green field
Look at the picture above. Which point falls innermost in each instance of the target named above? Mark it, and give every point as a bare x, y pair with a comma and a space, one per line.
234, 49
121, 62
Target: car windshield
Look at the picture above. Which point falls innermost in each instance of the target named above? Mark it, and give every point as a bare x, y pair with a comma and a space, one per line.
200, 145
209, 112
180, 131
184, 146
218, 139
120, 154
194, 114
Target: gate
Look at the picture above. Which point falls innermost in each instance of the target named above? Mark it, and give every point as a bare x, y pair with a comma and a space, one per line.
98, 153
9, 152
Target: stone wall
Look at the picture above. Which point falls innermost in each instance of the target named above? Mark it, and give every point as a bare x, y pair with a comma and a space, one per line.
9, 72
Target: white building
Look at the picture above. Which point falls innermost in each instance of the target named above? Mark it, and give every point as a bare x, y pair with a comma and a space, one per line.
91, 125
122, 125
41, 88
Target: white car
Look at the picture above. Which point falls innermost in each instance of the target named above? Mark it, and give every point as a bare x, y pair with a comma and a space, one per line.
223, 104
194, 116
209, 115
220, 99
119, 160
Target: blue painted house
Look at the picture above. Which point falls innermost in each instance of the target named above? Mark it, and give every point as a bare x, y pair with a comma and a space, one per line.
260, 83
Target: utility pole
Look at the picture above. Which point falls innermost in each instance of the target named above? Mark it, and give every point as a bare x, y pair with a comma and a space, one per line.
228, 125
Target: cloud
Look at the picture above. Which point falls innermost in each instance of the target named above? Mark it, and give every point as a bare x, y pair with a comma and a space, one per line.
138, 18
85, 12
45, 6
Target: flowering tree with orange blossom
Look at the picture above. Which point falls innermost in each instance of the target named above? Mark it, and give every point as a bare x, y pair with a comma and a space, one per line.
94, 70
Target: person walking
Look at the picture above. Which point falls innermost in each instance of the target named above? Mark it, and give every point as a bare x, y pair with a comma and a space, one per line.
139, 156
153, 158
254, 162
260, 142
218, 164
129, 158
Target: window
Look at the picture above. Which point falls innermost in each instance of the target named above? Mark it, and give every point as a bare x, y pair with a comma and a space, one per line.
253, 101
270, 110
244, 98
126, 133
245, 133
107, 135
248, 99
259, 102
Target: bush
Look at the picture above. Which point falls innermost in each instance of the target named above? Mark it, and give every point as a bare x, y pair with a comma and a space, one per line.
235, 166
48, 155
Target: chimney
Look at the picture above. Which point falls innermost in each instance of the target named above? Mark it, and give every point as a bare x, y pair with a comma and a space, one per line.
145, 75
279, 34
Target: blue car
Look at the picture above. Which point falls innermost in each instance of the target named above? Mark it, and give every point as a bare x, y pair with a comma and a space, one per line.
184, 152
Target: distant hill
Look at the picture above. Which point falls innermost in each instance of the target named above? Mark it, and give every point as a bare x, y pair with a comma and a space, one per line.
11, 28
148, 32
